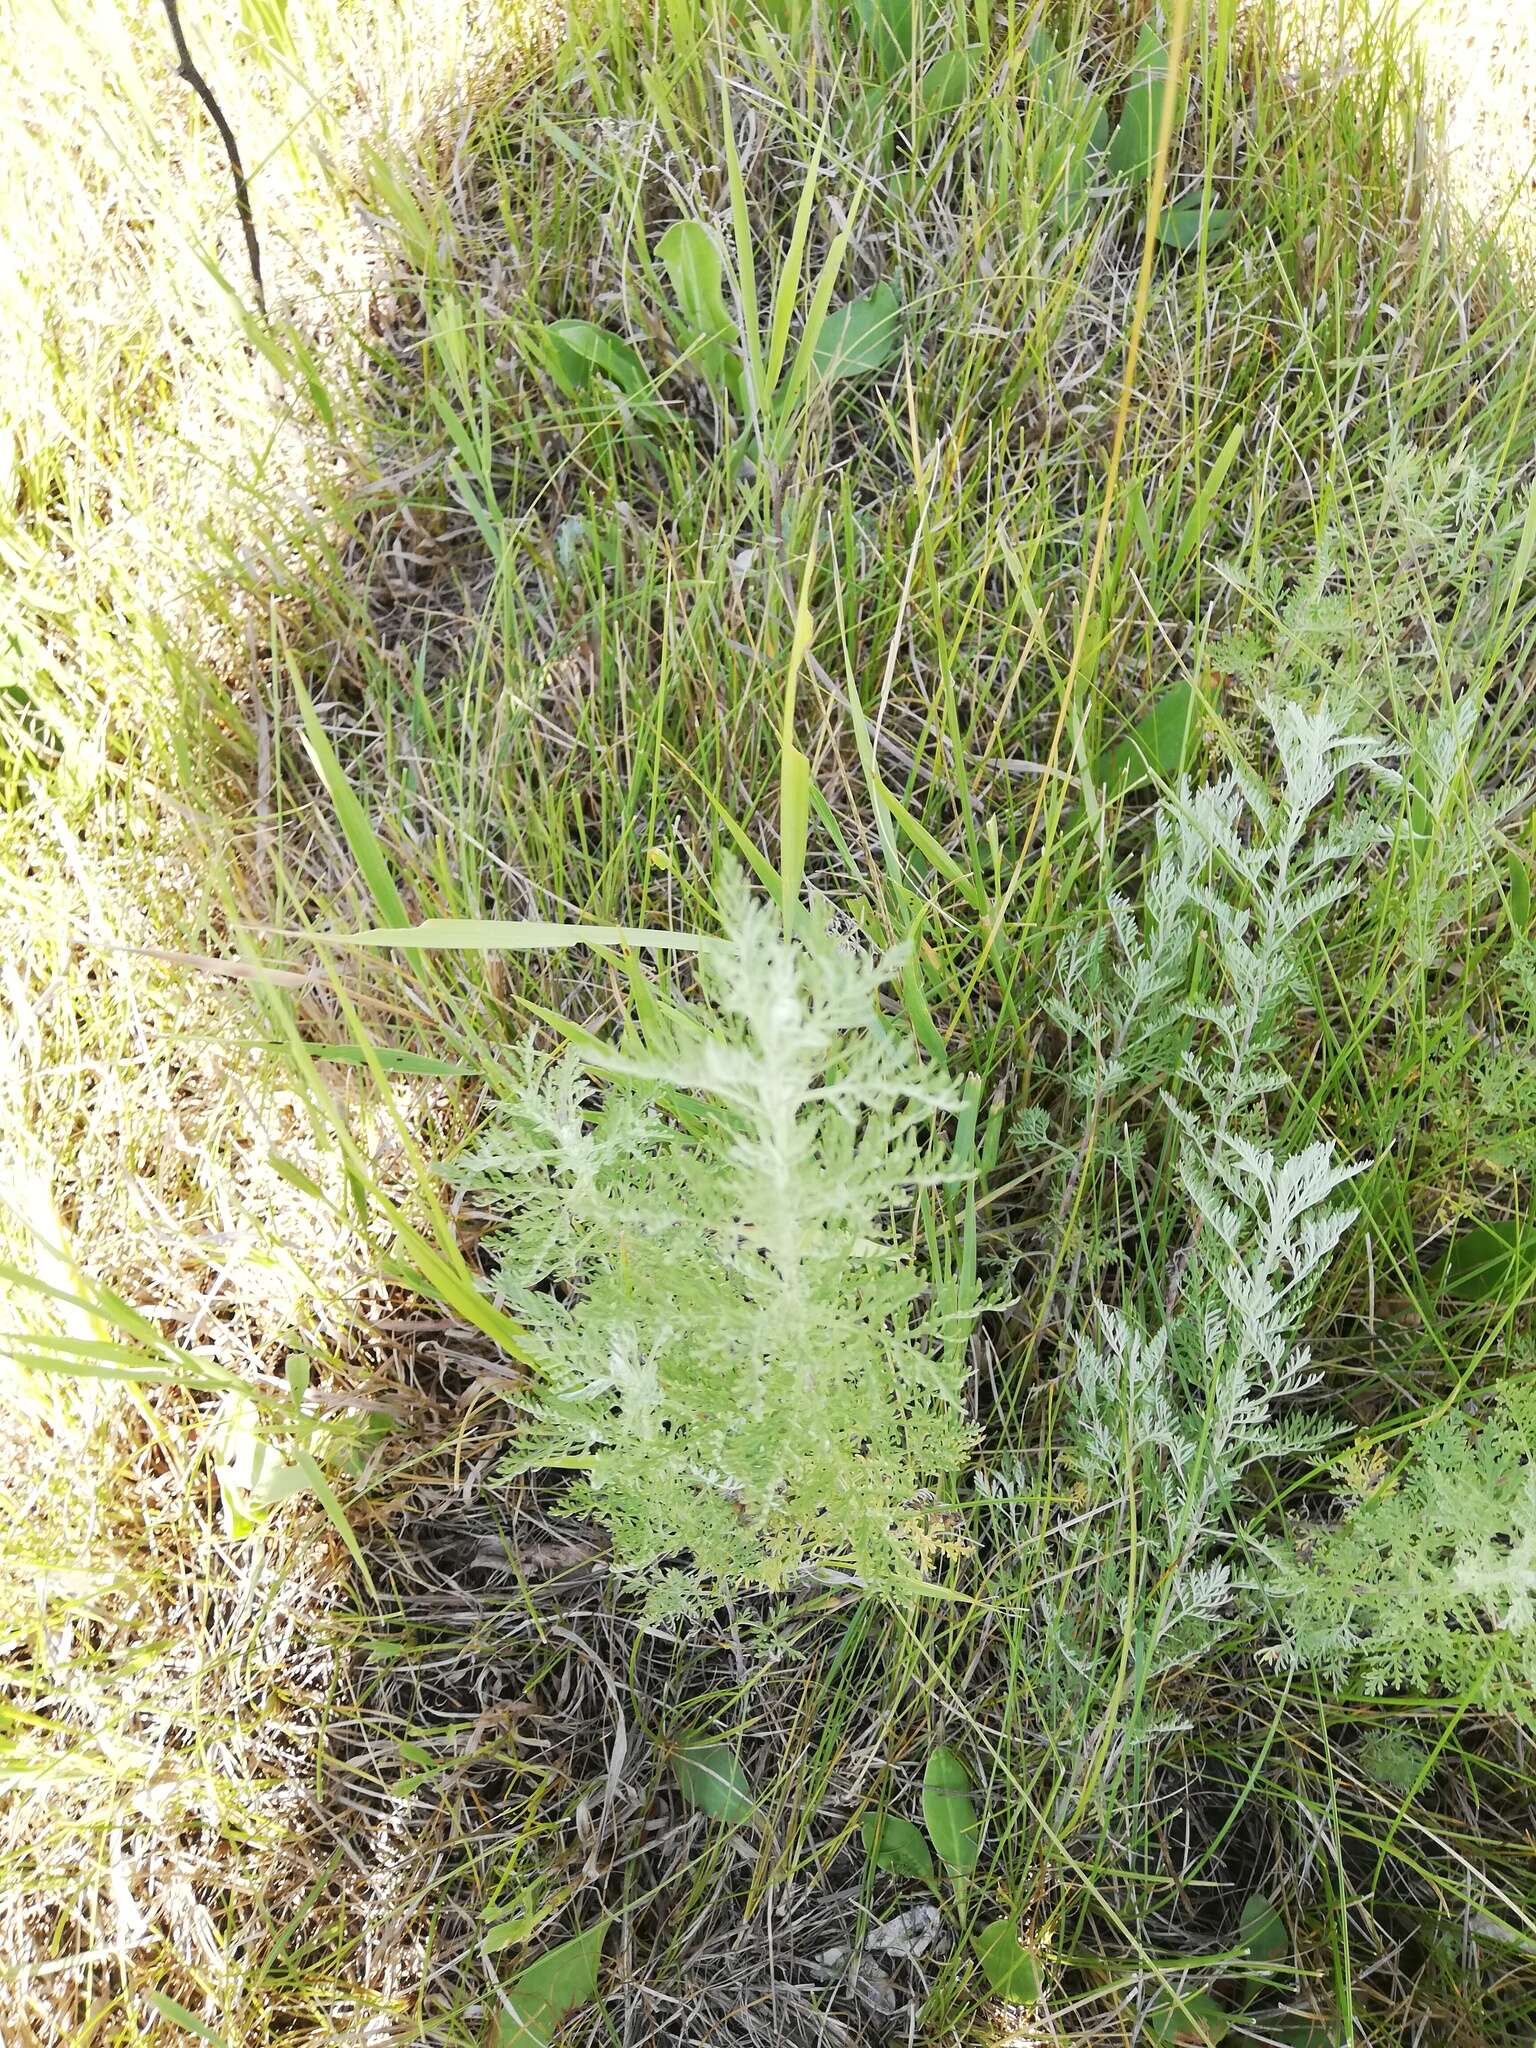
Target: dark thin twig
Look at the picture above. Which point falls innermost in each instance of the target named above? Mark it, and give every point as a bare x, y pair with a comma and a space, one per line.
189, 71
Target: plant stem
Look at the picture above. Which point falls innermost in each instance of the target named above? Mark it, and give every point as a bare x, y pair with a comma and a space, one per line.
189, 71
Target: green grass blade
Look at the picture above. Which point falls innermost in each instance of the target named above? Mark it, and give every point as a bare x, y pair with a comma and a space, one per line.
361, 839
787, 291
517, 935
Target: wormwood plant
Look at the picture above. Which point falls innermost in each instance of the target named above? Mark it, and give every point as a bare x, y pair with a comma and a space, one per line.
1190, 1379
739, 1346
1430, 1576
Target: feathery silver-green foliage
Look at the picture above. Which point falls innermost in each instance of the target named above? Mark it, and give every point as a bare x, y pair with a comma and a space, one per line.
1430, 1578
706, 1233
1180, 1389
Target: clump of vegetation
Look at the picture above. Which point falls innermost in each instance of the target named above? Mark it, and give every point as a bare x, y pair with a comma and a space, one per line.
1428, 1579
844, 440
736, 1338
1173, 1414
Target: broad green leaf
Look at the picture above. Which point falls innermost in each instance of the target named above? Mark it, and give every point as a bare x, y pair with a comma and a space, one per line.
276, 1482
1041, 48
1074, 189
1494, 1261
949, 82
541, 1996
1062, 89
794, 825
696, 272
579, 350
1052, 75
1041, 52
888, 25
1519, 891
1012, 1970
251, 1472
1300, 2033
870, 121
1189, 2019
1179, 227
894, 1845
1161, 743
1262, 1932
1133, 146
710, 1777
859, 338
949, 1814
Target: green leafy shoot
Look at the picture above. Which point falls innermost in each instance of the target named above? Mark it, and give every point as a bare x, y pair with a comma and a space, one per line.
949, 1813
1518, 892
582, 354
1012, 1969
895, 1846
702, 1228
696, 272
1133, 145
887, 25
540, 1997
1261, 1932
1183, 227
949, 81
858, 339
1160, 746
1187, 2019
1493, 1261
711, 1778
